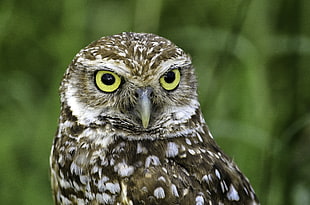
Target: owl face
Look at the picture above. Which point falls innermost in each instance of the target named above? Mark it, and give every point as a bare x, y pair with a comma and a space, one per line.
140, 80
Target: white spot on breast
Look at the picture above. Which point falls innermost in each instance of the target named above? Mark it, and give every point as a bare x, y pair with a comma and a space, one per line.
71, 150
185, 192
232, 194
104, 179
81, 202
152, 160
202, 150
172, 149
191, 151
67, 124
223, 186
104, 198
141, 149
185, 172
210, 153
64, 183
119, 148
251, 195
97, 170
217, 173
161, 179
113, 187
101, 183
199, 137
123, 169
84, 179
144, 189
207, 178
103, 141
76, 186
246, 190
199, 200
210, 134
112, 162
65, 200
183, 155
75, 169
88, 193
183, 148
159, 193
188, 141
174, 190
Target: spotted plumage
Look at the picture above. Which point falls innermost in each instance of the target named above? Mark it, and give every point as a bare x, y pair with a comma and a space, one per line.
131, 130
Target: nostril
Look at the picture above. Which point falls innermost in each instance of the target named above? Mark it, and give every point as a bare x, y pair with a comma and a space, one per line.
136, 94
151, 94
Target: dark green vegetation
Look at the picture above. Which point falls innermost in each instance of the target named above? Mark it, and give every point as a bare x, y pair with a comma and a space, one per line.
253, 66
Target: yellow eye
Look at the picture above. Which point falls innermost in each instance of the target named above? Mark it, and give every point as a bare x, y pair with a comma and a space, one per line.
171, 79
107, 81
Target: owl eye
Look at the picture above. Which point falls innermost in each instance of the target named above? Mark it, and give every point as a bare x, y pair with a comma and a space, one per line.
170, 80
107, 81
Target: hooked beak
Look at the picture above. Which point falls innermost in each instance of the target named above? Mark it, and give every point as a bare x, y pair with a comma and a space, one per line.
144, 105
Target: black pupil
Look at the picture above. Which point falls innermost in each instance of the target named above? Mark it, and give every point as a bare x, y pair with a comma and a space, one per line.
169, 77
108, 79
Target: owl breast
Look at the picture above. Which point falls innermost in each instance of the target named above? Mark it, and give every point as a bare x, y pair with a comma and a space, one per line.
106, 169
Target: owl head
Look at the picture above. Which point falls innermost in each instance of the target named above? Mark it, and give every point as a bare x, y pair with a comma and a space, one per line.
134, 81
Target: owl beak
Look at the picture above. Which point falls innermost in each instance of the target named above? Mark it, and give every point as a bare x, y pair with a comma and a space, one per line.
144, 105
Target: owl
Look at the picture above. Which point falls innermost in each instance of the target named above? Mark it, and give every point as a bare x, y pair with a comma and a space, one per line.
131, 130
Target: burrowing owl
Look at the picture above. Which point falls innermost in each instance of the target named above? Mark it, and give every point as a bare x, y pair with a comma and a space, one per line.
131, 130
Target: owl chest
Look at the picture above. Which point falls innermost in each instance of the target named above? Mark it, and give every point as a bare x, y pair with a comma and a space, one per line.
119, 160
141, 170
128, 159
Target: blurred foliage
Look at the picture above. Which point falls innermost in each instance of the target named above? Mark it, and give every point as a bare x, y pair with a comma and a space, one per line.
253, 64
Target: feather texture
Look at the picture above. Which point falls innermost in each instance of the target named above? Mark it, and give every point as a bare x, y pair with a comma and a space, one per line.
103, 155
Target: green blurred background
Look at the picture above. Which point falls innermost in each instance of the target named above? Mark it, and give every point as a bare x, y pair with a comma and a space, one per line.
252, 58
